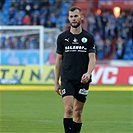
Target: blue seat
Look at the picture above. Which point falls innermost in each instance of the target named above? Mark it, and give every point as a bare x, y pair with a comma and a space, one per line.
51, 2
22, 13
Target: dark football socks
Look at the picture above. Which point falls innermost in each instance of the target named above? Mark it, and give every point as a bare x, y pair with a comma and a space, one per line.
76, 127
68, 125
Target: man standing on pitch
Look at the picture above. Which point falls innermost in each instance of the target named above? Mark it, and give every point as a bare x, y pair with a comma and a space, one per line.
75, 62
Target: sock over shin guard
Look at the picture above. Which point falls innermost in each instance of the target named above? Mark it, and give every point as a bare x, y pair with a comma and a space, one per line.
76, 127
68, 125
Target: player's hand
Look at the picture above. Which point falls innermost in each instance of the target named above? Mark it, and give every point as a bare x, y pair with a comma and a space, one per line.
85, 78
58, 88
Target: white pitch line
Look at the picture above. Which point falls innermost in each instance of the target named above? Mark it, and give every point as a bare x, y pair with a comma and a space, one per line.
118, 122
41, 121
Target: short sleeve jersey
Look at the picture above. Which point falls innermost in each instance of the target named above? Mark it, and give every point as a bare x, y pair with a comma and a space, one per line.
74, 49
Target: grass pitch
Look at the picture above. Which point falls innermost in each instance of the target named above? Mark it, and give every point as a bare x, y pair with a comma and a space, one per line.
42, 111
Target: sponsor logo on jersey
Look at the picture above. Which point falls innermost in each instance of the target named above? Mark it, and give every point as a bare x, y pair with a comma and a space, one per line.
83, 91
75, 49
75, 41
94, 47
84, 39
67, 39
63, 91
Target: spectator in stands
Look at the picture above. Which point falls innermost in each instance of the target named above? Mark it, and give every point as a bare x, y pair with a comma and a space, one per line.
14, 42
104, 21
1, 4
18, 19
56, 7
100, 49
28, 7
49, 24
21, 5
119, 48
109, 31
107, 48
44, 10
58, 3
53, 18
97, 18
124, 31
129, 24
42, 19
35, 19
92, 24
14, 4
36, 6
27, 20
2, 42
44, 3
11, 12
32, 43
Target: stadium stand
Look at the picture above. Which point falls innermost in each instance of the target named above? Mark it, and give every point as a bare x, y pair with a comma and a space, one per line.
113, 35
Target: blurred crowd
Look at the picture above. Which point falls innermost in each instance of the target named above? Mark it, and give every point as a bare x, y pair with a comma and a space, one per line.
33, 12
113, 35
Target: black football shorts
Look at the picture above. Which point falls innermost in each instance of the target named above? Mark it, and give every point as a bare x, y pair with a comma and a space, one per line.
75, 88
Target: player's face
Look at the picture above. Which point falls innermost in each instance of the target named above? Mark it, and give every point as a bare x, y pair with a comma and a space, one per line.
75, 18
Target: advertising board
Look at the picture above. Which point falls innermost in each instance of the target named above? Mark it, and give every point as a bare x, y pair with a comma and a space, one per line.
103, 74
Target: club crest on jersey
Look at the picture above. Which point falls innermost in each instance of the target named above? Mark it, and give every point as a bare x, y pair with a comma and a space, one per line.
84, 39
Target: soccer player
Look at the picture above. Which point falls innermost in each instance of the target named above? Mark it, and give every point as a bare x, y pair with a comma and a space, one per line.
75, 62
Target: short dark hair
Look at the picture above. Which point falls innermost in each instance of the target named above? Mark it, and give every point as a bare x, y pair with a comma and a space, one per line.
73, 8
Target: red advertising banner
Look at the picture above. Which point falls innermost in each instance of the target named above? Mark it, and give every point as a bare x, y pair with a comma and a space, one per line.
113, 75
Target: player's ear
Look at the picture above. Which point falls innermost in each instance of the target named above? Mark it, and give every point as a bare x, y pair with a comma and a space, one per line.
82, 17
68, 17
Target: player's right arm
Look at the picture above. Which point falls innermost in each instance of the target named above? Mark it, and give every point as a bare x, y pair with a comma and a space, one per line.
57, 73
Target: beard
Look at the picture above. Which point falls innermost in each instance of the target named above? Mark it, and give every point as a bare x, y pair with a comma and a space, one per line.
75, 26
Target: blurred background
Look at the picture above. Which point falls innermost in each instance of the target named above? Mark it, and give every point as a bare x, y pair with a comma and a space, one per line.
24, 59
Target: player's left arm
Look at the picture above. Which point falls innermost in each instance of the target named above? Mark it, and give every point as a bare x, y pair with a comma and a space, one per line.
92, 61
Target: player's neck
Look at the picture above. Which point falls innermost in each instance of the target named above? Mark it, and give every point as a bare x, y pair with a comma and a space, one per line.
77, 30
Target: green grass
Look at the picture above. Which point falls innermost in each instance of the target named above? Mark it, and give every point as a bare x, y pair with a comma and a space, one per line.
42, 111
